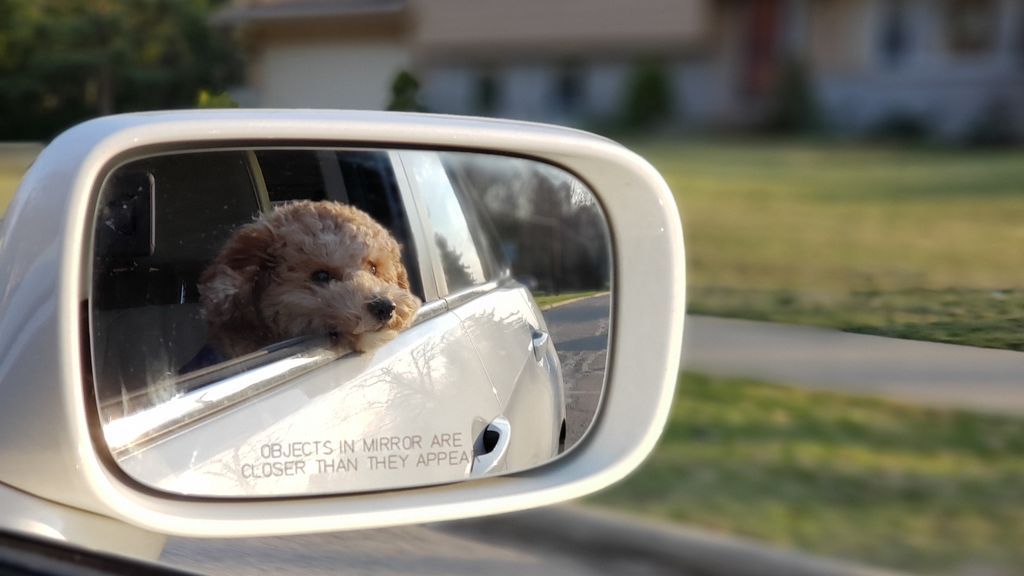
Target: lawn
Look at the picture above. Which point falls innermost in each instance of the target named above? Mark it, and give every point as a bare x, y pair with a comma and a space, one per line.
911, 242
545, 301
14, 160
864, 479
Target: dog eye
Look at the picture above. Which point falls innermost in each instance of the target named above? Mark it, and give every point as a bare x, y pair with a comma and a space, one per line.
320, 277
373, 268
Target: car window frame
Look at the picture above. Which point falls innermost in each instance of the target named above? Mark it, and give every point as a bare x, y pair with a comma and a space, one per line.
413, 218
431, 274
479, 221
453, 298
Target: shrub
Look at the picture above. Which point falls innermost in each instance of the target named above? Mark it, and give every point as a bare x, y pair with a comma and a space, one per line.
992, 126
405, 90
648, 99
207, 99
794, 108
901, 126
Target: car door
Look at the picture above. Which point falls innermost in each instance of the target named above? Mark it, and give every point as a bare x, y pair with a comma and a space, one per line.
534, 397
495, 314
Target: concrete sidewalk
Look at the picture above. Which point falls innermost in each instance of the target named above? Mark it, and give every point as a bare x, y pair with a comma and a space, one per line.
920, 372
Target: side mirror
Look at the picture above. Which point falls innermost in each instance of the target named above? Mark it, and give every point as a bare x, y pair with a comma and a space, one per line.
241, 323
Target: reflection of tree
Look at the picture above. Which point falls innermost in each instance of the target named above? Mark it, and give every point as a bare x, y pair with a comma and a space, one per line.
456, 271
549, 223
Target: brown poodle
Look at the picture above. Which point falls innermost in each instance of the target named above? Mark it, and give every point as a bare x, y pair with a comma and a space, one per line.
307, 269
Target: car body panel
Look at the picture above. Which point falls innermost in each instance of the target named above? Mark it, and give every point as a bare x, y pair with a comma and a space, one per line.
424, 392
529, 388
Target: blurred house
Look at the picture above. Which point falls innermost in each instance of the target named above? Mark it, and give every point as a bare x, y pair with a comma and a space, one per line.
944, 66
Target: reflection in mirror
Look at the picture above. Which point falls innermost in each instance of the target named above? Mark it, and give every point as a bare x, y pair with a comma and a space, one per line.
290, 321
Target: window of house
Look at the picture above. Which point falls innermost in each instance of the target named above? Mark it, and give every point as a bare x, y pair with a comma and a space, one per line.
971, 25
895, 33
569, 89
486, 93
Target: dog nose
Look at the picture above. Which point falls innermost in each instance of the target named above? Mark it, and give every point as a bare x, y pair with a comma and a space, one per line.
381, 308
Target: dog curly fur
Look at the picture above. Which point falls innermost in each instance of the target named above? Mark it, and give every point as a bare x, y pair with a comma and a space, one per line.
307, 269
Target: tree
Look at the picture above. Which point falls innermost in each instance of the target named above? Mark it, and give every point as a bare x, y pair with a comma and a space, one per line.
795, 108
456, 272
405, 90
648, 101
547, 222
63, 61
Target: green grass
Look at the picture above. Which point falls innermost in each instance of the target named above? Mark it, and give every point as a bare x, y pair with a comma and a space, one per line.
545, 301
869, 480
922, 243
14, 160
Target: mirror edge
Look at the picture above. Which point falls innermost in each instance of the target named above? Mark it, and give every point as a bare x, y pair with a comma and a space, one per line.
642, 219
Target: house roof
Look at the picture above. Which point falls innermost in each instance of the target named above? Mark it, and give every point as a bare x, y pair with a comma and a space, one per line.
270, 11
495, 29
556, 27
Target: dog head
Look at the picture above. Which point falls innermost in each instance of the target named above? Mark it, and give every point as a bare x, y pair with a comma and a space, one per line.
307, 269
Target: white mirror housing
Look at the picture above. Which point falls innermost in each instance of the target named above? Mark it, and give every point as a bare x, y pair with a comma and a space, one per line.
49, 433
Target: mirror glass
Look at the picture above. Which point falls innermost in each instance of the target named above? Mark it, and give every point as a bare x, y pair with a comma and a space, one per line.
289, 320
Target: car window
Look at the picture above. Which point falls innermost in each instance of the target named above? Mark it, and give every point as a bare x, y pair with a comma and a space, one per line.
292, 175
460, 256
361, 178
458, 166
147, 320
543, 225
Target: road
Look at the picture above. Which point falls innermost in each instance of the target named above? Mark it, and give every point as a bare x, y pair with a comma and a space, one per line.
926, 373
579, 330
920, 372
467, 548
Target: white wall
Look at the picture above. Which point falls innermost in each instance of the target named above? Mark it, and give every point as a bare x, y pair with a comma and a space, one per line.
948, 91
330, 74
530, 91
448, 89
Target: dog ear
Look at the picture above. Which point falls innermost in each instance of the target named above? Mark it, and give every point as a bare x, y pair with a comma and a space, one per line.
402, 278
227, 287
401, 275
250, 246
